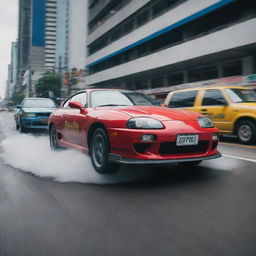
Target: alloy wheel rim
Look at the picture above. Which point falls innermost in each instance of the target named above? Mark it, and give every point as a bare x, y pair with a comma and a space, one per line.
245, 132
53, 138
98, 151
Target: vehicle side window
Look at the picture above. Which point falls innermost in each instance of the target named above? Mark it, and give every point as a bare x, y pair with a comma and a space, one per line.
213, 97
65, 105
80, 97
183, 99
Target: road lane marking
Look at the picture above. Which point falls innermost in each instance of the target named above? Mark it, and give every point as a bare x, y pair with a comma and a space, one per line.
240, 158
240, 145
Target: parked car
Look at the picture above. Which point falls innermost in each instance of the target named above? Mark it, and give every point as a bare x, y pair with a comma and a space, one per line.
33, 113
119, 126
231, 108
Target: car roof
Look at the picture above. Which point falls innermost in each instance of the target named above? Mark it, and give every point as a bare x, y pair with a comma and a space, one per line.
212, 87
103, 89
37, 98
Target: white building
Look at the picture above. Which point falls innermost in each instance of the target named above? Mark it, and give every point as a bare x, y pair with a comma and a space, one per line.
149, 44
50, 33
71, 35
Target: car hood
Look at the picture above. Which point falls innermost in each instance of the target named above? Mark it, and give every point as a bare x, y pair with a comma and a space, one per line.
38, 110
159, 113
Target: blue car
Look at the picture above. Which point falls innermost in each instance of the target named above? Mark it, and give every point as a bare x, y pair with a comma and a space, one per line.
33, 113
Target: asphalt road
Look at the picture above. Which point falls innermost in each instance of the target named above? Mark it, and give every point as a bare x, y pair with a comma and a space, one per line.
209, 210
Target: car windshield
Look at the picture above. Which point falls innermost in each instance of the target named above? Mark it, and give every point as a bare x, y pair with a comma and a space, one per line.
39, 103
241, 95
120, 98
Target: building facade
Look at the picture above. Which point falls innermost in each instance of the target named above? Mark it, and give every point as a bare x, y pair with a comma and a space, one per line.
154, 44
24, 38
71, 39
71, 34
36, 41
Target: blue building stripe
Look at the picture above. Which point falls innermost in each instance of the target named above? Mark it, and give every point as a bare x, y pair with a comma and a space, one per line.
166, 30
38, 22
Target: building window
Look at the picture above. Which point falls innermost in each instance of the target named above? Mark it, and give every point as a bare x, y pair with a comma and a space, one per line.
128, 26
232, 68
203, 73
157, 82
142, 18
116, 34
141, 84
175, 78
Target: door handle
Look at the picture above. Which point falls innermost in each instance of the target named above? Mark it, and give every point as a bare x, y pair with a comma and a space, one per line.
204, 109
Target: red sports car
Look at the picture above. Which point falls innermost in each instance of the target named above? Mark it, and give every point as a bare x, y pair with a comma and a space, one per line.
120, 126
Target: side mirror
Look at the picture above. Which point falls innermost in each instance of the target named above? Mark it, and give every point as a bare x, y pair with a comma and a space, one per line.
78, 105
164, 105
75, 104
18, 106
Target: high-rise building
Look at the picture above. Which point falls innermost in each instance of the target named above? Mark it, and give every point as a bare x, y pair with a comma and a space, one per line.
71, 35
36, 40
71, 42
154, 44
50, 33
24, 38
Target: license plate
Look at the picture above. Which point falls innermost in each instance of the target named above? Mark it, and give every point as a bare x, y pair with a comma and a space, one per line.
44, 121
187, 140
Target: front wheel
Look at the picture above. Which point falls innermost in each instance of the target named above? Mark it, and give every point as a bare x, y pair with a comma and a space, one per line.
246, 132
190, 163
21, 128
99, 149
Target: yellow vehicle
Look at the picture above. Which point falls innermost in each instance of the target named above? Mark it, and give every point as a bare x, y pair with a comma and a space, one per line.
231, 108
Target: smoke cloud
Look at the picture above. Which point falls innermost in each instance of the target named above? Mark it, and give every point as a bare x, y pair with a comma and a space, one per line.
32, 154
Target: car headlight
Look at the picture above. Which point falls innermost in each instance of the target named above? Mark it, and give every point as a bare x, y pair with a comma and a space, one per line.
205, 122
144, 123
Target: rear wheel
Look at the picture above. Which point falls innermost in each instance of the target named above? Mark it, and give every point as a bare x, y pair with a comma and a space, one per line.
99, 149
189, 163
246, 132
53, 138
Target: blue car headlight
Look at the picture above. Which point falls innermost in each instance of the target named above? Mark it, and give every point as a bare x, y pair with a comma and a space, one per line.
144, 123
205, 122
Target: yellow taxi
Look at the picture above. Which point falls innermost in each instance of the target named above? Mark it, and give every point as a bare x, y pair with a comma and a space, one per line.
231, 108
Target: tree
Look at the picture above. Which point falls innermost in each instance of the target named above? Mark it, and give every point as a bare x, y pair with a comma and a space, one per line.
48, 84
17, 98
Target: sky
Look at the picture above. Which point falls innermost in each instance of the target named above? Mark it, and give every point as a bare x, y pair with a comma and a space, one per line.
8, 34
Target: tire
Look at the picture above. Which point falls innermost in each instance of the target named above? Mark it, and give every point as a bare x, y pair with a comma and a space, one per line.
21, 128
99, 149
246, 132
53, 138
190, 163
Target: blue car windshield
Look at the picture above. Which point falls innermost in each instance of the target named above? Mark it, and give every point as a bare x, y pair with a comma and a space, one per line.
39, 103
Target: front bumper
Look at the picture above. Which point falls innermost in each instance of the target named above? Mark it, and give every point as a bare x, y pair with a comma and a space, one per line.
35, 122
118, 159
127, 147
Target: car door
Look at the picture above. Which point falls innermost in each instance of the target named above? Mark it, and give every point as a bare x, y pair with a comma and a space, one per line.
74, 120
215, 105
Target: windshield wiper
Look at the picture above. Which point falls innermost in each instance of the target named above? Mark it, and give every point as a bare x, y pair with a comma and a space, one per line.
111, 105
